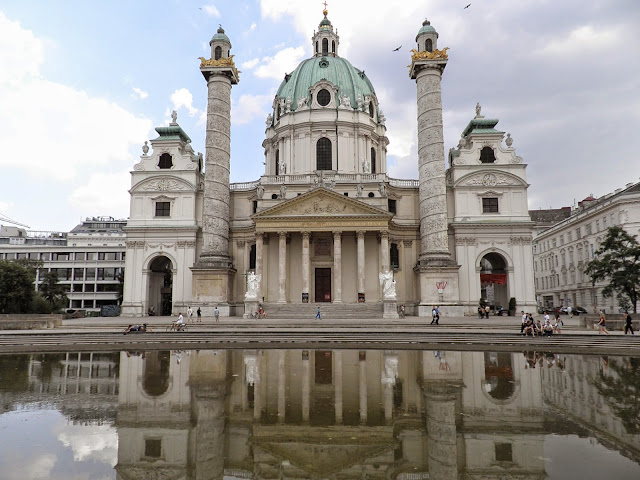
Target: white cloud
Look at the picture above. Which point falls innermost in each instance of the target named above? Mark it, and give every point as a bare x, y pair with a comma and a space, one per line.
183, 98
68, 124
284, 61
141, 94
39, 467
249, 64
6, 206
582, 40
253, 27
103, 194
211, 10
249, 107
98, 442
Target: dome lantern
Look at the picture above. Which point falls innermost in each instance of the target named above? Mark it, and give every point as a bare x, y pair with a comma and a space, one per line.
220, 45
325, 41
427, 37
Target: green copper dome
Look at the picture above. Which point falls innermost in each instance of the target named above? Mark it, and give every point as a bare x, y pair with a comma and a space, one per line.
220, 36
426, 28
349, 80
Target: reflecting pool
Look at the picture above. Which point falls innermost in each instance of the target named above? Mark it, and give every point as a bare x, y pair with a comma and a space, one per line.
319, 414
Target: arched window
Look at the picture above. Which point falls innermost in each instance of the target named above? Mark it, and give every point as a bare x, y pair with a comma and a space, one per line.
333, 46
165, 161
323, 154
373, 160
371, 109
371, 195
316, 47
325, 47
487, 155
277, 162
394, 256
428, 45
217, 53
155, 373
274, 196
278, 112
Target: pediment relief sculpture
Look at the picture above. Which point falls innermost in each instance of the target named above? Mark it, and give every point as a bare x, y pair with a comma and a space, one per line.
490, 180
163, 184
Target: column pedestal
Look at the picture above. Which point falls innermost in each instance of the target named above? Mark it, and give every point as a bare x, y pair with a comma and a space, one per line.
212, 287
390, 309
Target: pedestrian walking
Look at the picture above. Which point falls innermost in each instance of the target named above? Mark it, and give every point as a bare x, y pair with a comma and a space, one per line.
570, 311
487, 310
524, 321
602, 323
480, 312
318, 317
189, 315
435, 314
628, 327
558, 324
216, 314
199, 313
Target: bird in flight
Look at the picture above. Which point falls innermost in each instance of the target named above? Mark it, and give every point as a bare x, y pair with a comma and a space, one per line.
467, 6
396, 49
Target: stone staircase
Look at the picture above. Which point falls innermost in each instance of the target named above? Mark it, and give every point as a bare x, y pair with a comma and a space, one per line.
327, 310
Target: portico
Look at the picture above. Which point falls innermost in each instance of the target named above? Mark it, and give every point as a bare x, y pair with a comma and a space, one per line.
329, 248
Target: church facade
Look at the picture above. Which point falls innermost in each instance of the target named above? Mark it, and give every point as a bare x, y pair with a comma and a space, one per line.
325, 225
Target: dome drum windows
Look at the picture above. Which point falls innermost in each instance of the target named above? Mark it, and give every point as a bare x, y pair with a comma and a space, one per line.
324, 160
217, 53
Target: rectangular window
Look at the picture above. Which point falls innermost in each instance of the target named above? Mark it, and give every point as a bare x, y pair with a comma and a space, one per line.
45, 256
152, 448
578, 233
489, 205
503, 452
163, 209
77, 287
91, 256
109, 256
90, 287
80, 256
90, 274
60, 257
87, 304
255, 206
78, 273
392, 206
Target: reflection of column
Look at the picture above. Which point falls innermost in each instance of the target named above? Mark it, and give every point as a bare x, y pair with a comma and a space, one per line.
363, 387
337, 267
281, 385
305, 263
360, 236
388, 401
259, 272
305, 386
257, 390
338, 385
384, 251
442, 446
282, 268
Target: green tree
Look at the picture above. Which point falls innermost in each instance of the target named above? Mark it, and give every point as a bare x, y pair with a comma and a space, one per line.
16, 287
622, 392
53, 291
617, 262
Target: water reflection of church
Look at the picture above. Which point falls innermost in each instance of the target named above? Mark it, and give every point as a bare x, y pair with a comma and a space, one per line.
340, 414
335, 414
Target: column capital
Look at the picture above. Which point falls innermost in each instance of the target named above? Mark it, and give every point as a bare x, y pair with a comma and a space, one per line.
282, 234
337, 234
240, 243
384, 234
360, 233
306, 235
259, 235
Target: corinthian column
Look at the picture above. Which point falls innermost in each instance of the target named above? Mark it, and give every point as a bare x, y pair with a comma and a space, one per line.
360, 241
337, 267
305, 264
282, 268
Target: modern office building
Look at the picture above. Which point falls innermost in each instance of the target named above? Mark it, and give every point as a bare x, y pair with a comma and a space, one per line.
89, 260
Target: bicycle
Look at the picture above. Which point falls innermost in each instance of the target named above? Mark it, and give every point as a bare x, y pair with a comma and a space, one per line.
175, 327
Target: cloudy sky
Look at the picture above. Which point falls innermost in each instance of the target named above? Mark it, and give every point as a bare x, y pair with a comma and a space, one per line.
83, 84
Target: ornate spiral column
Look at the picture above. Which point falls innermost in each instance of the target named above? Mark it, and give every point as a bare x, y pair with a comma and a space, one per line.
435, 263
213, 272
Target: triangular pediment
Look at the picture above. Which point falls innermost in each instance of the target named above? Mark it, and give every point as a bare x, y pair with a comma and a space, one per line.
326, 452
321, 203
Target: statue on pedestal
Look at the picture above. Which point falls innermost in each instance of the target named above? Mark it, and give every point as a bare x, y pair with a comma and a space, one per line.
253, 281
388, 285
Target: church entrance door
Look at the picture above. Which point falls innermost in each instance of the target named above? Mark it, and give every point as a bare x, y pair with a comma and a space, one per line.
323, 285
